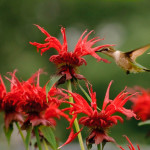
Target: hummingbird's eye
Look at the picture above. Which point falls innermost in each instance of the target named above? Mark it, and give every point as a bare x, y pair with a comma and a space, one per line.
106, 49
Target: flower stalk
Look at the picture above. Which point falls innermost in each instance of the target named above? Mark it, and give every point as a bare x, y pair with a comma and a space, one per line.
99, 147
76, 124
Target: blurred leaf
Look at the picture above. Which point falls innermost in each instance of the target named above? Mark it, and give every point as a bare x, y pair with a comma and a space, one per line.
8, 132
36, 131
147, 122
49, 135
52, 81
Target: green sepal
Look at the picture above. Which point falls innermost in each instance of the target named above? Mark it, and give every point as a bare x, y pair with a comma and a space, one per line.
28, 137
50, 84
49, 136
89, 146
147, 122
8, 132
103, 144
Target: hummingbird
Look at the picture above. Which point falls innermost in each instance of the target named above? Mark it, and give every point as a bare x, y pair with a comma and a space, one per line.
127, 60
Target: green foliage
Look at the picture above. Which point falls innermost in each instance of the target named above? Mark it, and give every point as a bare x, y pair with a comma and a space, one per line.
28, 137
8, 132
36, 131
49, 135
51, 83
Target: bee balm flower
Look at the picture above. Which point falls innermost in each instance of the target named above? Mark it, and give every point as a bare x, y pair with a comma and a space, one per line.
99, 121
141, 104
68, 62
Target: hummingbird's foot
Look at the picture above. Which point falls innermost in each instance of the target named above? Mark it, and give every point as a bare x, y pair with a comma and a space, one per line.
127, 72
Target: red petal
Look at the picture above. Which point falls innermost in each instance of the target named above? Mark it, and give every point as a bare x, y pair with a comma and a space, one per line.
132, 147
2, 88
107, 100
71, 137
64, 46
43, 31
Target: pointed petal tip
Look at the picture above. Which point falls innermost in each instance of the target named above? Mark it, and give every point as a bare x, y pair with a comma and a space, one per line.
63, 28
37, 26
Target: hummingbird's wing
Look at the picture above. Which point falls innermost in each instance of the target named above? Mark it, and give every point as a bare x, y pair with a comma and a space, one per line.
137, 52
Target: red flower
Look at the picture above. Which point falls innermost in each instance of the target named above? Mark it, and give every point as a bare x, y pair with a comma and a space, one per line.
68, 62
141, 104
99, 121
11, 101
11, 109
34, 103
39, 108
54, 112
2, 91
131, 147
28, 100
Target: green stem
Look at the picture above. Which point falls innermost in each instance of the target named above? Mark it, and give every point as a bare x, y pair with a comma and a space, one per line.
22, 136
76, 124
99, 147
37, 137
45, 145
87, 95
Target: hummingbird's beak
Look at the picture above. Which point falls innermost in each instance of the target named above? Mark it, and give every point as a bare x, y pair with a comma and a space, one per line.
100, 50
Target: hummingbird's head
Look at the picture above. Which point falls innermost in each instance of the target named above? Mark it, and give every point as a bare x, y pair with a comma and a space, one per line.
107, 50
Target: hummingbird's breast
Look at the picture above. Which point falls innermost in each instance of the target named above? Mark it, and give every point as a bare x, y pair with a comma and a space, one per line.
122, 60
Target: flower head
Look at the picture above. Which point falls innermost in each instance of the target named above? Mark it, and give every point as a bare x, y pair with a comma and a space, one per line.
141, 103
68, 62
11, 101
99, 121
131, 147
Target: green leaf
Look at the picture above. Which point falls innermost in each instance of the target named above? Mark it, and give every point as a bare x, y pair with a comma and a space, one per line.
8, 132
36, 131
147, 122
49, 136
52, 81
28, 137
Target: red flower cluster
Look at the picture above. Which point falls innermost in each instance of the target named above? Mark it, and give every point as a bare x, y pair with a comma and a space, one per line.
141, 103
27, 102
99, 121
68, 62
131, 147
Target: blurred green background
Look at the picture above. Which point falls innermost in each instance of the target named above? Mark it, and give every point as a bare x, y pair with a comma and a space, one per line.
120, 22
